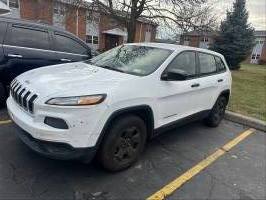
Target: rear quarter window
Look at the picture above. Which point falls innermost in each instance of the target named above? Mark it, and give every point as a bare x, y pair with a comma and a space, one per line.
28, 37
220, 64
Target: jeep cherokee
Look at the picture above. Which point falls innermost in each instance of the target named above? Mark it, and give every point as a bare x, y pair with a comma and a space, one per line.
110, 105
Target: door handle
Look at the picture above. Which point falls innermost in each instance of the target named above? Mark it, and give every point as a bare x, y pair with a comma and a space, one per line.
220, 80
65, 60
195, 85
14, 55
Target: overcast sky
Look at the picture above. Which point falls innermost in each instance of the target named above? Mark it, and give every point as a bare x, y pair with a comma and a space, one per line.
256, 8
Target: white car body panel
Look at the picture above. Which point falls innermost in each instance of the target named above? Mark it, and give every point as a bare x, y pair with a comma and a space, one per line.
169, 100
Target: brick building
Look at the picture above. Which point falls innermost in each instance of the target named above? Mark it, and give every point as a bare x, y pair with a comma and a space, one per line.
98, 30
198, 39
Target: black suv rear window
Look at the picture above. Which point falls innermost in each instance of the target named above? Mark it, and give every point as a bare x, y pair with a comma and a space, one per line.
28, 37
67, 44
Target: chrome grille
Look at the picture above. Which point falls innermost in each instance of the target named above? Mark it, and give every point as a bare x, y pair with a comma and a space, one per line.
22, 96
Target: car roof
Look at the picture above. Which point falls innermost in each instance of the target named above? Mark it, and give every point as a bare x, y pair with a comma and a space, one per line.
39, 25
175, 47
27, 22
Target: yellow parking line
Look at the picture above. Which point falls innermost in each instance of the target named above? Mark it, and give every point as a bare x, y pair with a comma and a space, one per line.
5, 122
179, 181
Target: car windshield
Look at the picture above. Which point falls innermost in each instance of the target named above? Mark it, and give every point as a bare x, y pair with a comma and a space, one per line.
132, 59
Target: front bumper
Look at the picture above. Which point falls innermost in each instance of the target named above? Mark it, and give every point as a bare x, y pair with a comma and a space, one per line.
56, 150
85, 124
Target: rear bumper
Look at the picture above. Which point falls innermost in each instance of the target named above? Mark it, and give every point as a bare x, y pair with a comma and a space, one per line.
56, 150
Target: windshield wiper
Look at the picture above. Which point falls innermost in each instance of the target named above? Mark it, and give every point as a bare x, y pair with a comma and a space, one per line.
111, 68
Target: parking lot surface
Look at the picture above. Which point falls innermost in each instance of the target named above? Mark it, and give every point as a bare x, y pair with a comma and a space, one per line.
238, 174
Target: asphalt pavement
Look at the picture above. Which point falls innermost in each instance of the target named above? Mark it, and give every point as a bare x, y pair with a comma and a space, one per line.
238, 174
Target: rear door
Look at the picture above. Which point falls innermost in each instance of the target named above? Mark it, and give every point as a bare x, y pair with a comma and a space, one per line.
208, 81
26, 48
69, 49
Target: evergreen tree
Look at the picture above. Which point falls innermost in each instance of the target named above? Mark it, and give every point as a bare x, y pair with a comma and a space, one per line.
236, 37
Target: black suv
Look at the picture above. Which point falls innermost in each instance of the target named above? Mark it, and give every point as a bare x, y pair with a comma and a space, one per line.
25, 45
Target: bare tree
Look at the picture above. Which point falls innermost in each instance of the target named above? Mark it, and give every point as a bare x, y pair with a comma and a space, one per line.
178, 14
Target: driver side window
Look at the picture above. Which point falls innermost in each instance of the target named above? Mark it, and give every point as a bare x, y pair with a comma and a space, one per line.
184, 63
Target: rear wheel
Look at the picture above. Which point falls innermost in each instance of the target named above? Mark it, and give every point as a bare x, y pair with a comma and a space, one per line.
2, 95
123, 143
217, 113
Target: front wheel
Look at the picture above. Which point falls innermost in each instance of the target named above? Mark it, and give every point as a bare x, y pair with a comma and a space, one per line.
124, 142
217, 113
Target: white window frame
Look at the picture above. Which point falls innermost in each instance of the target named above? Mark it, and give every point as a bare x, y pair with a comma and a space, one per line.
92, 39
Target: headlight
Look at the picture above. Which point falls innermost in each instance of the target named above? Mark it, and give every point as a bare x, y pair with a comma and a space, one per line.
77, 101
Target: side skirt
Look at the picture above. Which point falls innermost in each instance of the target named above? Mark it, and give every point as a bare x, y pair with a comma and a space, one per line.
191, 118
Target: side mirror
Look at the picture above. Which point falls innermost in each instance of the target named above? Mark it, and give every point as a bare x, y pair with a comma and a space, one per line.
174, 76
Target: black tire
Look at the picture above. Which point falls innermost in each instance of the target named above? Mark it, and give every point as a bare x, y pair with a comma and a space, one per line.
2, 95
217, 113
123, 143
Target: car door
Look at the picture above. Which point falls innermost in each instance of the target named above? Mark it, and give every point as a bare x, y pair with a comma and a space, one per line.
179, 99
208, 81
26, 48
69, 49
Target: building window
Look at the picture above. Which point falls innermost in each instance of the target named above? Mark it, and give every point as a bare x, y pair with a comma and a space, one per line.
186, 39
11, 3
205, 39
90, 39
95, 40
90, 17
148, 29
59, 9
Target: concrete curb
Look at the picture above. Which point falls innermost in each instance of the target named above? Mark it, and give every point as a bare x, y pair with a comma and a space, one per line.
247, 121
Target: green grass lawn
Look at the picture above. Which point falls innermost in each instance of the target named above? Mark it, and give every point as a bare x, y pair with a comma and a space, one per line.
249, 91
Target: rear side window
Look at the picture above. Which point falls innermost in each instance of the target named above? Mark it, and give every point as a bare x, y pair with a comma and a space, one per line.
207, 63
67, 44
220, 64
28, 37
184, 62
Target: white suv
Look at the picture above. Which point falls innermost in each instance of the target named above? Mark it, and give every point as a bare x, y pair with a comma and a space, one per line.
110, 105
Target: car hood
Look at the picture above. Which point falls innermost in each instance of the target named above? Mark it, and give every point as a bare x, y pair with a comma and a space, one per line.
72, 79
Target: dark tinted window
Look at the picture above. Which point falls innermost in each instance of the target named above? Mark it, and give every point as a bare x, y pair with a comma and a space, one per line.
27, 37
184, 63
2, 31
220, 64
207, 63
66, 44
